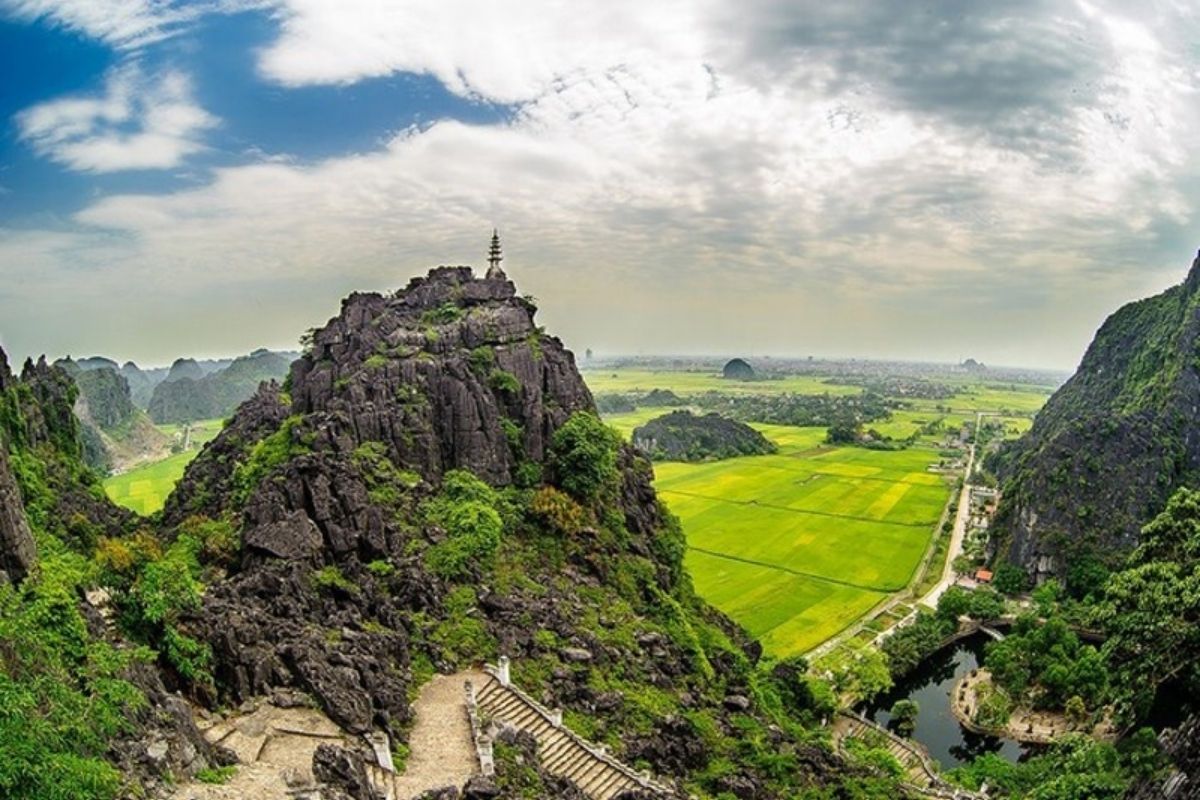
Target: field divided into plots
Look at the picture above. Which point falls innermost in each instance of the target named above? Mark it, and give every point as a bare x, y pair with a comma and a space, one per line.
798, 545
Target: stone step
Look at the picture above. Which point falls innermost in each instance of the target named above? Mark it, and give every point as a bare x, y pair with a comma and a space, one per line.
560, 753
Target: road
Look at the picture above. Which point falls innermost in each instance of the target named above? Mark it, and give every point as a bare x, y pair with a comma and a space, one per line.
960, 527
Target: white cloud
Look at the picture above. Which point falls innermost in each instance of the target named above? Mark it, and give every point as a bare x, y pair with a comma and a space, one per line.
121, 23
657, 193
137, 123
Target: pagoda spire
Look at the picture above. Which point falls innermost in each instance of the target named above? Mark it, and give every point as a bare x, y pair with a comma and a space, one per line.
495, 257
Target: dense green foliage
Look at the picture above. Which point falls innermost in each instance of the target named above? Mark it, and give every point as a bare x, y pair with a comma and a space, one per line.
801, 410
1151, 608
908, 646
1045, 664
1113, 443
467, 510
268, 453
583, 455
1075, 768
62, 697
155, 587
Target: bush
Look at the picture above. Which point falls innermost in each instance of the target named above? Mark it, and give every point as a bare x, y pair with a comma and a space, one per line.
561, 514
443, 314
267, 454
1010, 579
466, 509
330, 578
583, 453
904, 716
61, 695
504, 381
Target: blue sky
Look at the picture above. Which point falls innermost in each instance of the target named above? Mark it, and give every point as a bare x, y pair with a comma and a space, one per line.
258, 119
960, 179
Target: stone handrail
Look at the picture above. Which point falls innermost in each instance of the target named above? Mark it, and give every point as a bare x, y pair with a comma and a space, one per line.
500, 673
938, 785
482, 739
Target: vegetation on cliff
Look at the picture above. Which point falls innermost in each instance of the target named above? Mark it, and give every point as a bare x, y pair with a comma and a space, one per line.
1112, 444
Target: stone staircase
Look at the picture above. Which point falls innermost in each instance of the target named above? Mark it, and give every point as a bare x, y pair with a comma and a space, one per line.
920, 772
563, 753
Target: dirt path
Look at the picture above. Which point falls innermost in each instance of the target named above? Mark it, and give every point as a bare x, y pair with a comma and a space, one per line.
442, 751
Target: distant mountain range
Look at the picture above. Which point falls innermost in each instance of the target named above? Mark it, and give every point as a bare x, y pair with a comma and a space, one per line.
119, 404
193, 391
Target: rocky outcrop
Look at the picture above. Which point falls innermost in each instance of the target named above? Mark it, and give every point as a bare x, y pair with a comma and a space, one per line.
684, 436
1112, 444
737, 369
450, 372
436, 370
17, 550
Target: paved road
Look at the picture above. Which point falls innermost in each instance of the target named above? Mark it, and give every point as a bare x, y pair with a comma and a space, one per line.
960, 528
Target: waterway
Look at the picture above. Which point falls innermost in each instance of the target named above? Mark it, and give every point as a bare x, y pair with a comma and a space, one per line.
930, 685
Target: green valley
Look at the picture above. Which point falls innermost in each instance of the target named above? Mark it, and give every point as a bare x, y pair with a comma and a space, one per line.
800, 545
144, 490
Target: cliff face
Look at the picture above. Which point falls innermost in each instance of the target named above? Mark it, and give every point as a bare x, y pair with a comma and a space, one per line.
17, 550
1111, 444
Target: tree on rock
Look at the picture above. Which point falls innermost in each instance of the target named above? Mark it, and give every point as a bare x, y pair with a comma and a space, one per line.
904, 716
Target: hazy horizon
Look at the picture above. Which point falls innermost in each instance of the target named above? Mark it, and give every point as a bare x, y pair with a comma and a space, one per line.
968, 180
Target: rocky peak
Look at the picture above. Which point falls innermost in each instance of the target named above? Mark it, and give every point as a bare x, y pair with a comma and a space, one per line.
450, 371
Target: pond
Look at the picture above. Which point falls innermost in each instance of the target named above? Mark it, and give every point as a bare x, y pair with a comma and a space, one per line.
930, 685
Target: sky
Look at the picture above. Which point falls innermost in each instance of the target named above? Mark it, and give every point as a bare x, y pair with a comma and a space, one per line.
927, 180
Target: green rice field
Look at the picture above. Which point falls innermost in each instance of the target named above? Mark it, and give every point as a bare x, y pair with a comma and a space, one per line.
144, 490
798, 545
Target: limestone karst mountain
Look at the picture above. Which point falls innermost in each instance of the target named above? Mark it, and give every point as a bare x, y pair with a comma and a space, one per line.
429, 489
213, 389
117, 435
684, 436
1112, 444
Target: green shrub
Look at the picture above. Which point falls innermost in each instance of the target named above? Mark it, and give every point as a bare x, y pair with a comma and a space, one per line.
584, 455
61, 695
467, 510
381, 569
386, 483
266, 455
375, 361
216, 775
443, 314
482, 359
330, 578
504, 381
560, 513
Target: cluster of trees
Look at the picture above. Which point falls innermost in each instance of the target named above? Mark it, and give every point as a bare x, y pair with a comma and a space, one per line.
907, 647
1074, 767
805, 410
1151, 608
1045, 665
